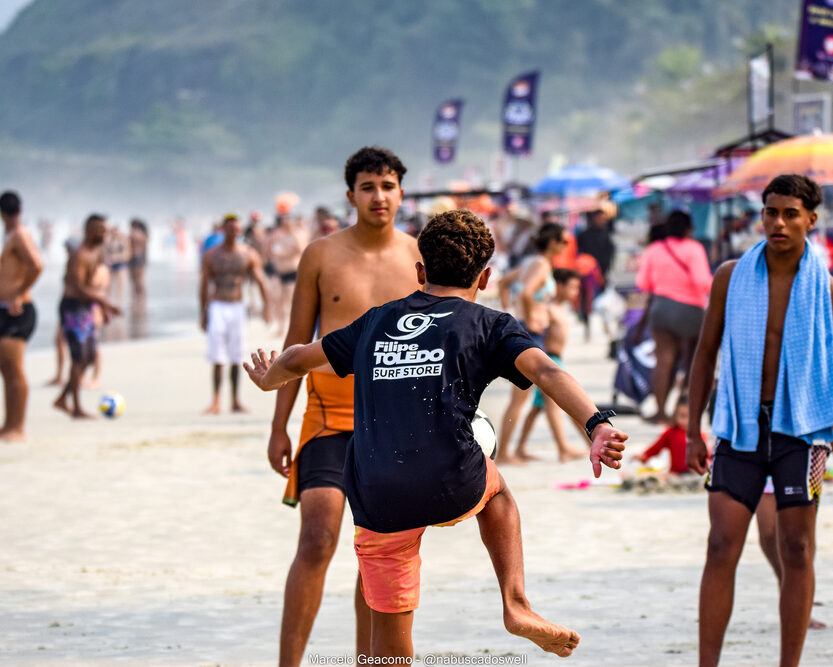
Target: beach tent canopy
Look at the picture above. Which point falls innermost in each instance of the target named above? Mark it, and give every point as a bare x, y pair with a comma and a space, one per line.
577, 179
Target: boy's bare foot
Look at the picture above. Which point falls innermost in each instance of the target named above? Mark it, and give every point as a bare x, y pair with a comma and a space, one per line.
78, 413
19, 436
509, 459
213, 409
816, 624
567, 455
525, 456
54, 382
61, 404
238, 407
524, 622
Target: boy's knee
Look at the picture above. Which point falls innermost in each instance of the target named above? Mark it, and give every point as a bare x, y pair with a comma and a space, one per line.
796, 551
317, 545
723, 549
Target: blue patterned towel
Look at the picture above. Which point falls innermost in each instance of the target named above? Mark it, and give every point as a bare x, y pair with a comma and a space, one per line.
804, 390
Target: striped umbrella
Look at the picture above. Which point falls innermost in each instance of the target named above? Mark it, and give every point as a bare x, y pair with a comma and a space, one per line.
811, 155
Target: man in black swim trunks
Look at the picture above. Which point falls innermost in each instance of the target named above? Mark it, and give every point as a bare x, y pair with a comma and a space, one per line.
20, 266
76, 310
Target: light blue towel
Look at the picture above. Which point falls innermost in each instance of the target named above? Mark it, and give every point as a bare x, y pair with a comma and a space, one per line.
804, 390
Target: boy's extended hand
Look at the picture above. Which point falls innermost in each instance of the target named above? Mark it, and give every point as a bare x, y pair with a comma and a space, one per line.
260, 364
608, 445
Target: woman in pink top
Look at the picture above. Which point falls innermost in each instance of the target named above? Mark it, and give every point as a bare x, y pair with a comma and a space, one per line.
675, 271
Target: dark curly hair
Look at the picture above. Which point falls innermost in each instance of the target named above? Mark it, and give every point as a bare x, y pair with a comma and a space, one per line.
795, 185
373, 160
549, 231
10, 203
455, 246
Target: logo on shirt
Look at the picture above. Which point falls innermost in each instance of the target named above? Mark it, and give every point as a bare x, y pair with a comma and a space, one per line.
415, 324
395, 360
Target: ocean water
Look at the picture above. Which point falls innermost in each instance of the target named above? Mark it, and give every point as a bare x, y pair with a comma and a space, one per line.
172, 306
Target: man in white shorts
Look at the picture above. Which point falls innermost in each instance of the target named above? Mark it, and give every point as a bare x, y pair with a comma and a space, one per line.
222, 311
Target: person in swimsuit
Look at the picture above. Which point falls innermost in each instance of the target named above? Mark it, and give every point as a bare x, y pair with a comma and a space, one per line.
340, 276
76, 310
768, 314
421, 364
284, 245
20, 266
138, 243
535, 286
568, 285
222, 312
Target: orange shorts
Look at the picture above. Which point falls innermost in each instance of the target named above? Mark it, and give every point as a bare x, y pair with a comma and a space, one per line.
389, 562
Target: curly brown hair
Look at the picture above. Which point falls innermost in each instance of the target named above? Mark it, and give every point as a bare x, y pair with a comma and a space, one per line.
455, 246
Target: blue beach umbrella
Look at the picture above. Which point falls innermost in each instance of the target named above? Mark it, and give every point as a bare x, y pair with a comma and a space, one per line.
581, 178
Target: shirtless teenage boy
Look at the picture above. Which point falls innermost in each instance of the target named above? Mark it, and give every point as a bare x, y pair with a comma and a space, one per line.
769, 313
340, 276
76, 309
222, 311
20, 266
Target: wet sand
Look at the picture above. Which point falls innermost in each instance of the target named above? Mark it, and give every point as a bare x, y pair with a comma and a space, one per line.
160, 538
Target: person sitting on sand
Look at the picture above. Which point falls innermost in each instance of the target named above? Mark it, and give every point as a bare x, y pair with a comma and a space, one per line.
421, 364
76, 310
674, 440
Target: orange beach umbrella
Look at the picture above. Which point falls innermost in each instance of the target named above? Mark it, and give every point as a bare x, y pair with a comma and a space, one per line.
810, 155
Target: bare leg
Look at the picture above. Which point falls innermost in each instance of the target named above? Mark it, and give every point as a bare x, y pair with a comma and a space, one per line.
667, 349
321, 510
363, 620
500, 530
729, 523
796, 546
234, 376
214, 408
390, 634
16, 388
526, 429
510, 418
768, 539
556, 421
60, 354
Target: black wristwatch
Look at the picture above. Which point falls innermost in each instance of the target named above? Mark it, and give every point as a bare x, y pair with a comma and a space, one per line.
597, 418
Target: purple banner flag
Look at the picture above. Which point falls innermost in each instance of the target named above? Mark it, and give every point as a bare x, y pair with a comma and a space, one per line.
815, 43
446, 130
519, 114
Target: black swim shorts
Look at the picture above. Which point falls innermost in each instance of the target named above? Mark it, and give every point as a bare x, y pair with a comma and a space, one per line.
18, 326
321, 462
288, 277
797, 468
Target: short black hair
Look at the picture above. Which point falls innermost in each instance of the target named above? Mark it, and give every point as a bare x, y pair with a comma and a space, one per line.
563, 276
795, 185
373, 160
678, 224
10, 203
455, 246
92, 219
549, 231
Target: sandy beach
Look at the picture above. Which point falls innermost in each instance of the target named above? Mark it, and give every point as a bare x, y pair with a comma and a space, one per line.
159, 538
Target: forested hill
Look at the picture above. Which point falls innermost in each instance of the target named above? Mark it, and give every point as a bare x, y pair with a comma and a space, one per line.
290, 87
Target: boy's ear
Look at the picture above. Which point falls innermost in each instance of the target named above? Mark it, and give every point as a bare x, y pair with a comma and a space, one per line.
420, 269
483, 279
351, 198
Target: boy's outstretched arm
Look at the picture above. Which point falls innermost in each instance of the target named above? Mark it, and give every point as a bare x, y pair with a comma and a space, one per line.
274, 371
608, 443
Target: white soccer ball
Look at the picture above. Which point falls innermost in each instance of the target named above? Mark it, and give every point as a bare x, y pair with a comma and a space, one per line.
484, 433
111, 404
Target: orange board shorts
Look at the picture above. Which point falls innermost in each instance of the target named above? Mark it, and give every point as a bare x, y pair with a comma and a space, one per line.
389, 562
329, 411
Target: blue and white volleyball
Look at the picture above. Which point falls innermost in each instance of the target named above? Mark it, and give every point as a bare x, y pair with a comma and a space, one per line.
111, 404
484, 433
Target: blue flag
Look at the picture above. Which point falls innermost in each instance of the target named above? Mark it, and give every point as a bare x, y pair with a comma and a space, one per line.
519, 114
446, 130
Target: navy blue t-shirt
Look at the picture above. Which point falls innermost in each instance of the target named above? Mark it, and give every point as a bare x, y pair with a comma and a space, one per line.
420, 365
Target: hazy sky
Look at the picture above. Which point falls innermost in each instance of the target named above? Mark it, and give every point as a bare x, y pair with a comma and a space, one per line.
8, 9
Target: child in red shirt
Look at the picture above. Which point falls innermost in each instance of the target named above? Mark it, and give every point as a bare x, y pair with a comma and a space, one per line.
673, 439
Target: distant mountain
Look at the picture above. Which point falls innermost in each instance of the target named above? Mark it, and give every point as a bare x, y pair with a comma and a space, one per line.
226, 99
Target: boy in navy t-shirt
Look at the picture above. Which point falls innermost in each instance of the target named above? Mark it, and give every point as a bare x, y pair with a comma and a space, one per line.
421, 364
